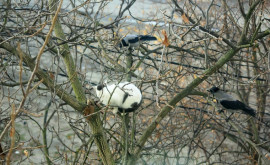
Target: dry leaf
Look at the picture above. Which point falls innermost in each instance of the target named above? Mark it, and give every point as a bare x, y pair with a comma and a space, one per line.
88, 111
203, 22
51, 75
26, 153
158, 134
166, 40
267, 156
185, 19
145, 32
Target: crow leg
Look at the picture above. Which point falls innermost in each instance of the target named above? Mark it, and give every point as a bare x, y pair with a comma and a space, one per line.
227, 119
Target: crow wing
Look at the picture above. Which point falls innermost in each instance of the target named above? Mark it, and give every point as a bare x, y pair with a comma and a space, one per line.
147, 38
133, 40
237, 105
232, 104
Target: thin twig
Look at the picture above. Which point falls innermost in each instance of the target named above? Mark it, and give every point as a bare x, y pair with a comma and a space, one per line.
34, 70
12, 133
157, 78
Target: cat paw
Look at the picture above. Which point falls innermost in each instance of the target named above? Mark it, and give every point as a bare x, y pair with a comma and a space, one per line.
115, 110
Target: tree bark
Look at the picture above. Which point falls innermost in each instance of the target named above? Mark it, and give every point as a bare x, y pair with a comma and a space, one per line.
94, 121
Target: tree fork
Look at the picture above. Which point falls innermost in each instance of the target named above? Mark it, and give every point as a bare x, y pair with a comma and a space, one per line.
94, 122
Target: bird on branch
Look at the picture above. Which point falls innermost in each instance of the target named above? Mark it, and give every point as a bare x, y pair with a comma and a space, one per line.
230, 103
132, 40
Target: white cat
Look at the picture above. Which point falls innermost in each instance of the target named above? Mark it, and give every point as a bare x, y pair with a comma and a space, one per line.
124, 97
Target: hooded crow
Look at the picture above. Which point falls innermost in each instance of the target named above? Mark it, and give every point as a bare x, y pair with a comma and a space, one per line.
230, 103
132, 40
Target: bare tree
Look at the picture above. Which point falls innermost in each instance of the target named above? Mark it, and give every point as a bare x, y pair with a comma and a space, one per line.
54, 52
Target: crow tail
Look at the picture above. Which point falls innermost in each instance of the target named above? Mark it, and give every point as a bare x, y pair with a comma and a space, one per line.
250, 111
147, 38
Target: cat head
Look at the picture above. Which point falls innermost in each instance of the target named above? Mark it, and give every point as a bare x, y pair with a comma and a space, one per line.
99, 89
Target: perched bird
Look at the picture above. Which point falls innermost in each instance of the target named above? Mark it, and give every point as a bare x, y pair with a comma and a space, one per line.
123, 97
132, 40
230, 103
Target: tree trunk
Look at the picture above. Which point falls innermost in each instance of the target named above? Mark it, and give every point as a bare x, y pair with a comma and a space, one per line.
94, 120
